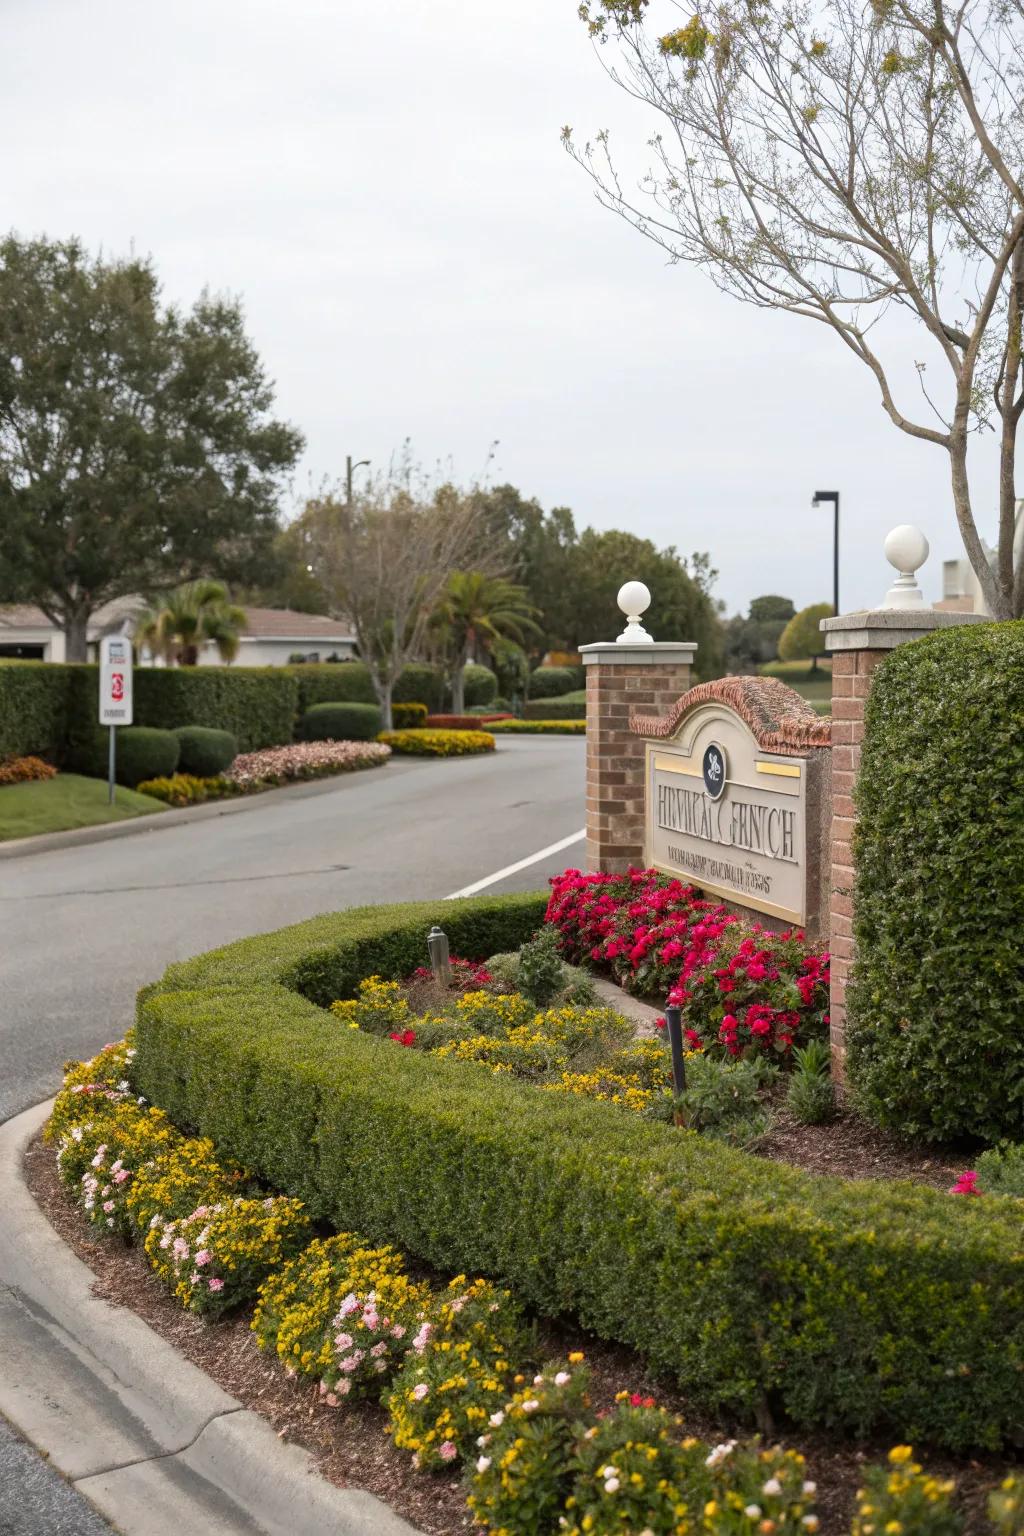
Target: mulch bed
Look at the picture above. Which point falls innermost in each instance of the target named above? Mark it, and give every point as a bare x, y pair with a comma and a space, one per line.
351, 1447
849, 1148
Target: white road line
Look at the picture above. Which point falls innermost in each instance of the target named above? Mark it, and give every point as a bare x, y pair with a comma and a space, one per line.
513, 869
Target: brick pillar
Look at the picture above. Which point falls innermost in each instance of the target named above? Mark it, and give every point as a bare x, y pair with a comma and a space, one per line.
623, 679
857, 642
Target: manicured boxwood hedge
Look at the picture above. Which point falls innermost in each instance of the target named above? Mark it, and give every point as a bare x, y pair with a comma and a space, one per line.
142, 753
33, 708
205, 752
761, 1289
348, 682
551, 682
555, 709
339, 722
935, 1041
481, 685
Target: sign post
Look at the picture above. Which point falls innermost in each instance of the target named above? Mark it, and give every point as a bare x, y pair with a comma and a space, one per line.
115, 694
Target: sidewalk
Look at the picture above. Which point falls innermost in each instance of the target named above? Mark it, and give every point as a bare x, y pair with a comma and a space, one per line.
146, 1437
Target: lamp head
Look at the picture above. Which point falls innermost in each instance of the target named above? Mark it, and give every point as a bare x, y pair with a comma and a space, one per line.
820, 496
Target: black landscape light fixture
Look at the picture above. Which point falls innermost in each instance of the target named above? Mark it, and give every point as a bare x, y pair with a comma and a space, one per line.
816, 500
674, 1021
437, 947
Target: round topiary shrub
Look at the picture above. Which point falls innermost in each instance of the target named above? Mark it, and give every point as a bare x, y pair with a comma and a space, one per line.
143, 752
552, 682
408, 716
481, 685
205, 752
935, 1044
340, 722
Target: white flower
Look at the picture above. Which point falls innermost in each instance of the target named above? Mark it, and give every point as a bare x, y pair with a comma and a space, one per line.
538, 1381
753, 1511
772, 1487
612, 1485
530, 1405
497, 1419
810, 1488
482, 1463
812, 1522
561, 1378
719, 1453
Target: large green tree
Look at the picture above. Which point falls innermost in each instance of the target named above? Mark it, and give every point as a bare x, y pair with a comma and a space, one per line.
681, 604
753, 640
533, 548
137, 448
473, 612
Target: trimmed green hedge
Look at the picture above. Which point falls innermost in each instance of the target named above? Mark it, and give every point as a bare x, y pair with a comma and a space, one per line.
339, 722
348, 682
555, 709
33, 708
935, 1042
481, 685
142, 753
761, 1289
551, 682
205, 752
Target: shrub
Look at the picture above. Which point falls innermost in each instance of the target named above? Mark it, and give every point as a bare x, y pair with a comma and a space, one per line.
256, 704
347, 683
861, 1305
33, 708
463, 722
409, 716
437, 743
142, 753
205, 752
524, 1473
1001, 1170
554, 709
480, 685
901, 1497
935, 1047
634, 1468
97, 1084
96, 1159
539, 727
221, 1254
184, 789
722, 1098
304, 760
552, 682
23, 770
297, 1301
339, 722
540, 971
1006, 1507
173, 1184
420, 683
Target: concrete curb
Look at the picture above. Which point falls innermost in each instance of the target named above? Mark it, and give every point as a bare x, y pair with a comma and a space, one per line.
144, 1435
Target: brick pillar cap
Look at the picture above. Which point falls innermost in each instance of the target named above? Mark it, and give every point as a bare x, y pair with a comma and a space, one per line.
652, 653
883, 629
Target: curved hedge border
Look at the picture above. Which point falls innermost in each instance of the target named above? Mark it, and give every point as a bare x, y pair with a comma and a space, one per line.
934, 1039
758, 1287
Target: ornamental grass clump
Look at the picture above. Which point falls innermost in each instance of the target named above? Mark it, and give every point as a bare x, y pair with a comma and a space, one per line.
523, 1474
297, 1302
902, 1498
221, 1254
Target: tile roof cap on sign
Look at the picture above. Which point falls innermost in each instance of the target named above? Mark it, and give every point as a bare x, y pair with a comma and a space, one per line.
779, 719
286, 624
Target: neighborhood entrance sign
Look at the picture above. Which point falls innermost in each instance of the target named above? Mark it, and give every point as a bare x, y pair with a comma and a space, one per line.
727, 816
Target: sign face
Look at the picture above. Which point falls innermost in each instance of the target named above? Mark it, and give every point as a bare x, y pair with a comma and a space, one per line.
115, 680
728, 817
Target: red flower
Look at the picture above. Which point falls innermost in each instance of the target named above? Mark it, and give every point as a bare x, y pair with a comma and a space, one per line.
407, 1037
966, 1184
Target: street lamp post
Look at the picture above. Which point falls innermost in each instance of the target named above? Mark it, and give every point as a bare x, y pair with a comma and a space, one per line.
350, 470
816, 501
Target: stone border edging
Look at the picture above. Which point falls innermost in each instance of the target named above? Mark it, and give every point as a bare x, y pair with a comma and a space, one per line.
146, 1436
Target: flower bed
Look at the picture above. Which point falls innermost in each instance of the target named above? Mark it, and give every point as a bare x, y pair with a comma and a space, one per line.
459, 1371
539, 727
255, 771
25, 770
741, 987
757, 1287
428, 743
463, 722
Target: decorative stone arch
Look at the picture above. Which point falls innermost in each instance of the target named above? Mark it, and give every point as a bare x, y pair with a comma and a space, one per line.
761, 843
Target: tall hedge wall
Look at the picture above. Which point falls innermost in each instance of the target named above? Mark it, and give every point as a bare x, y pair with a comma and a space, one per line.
348, 682
33, 708
761, 1289
935, 1040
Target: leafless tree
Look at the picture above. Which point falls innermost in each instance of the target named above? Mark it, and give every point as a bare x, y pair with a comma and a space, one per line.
384, 558
846, 161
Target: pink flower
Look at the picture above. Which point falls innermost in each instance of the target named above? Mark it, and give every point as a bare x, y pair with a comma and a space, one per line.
203, 1257
215, 1284
966, 1184
420, 1391
447, 1451
121, 1175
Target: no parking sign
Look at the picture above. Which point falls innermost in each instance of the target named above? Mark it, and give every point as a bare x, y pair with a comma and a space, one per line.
115, 680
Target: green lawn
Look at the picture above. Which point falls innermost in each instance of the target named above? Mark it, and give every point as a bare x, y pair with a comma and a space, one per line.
55, 805
815, 687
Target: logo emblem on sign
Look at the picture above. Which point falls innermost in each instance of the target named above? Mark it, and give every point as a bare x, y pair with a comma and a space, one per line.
117, 686
714, 769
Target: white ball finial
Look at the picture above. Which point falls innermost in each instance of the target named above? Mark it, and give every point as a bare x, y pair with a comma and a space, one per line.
906, 549
634, 599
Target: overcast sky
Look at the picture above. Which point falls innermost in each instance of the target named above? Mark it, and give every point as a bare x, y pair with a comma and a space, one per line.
384, 186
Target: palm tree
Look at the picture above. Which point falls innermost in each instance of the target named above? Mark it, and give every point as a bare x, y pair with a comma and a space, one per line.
179, 625
475, 610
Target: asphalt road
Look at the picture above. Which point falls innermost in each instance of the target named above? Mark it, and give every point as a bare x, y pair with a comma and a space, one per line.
82, 928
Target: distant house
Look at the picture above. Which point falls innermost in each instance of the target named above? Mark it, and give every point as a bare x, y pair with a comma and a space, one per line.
271, 637
961, 589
